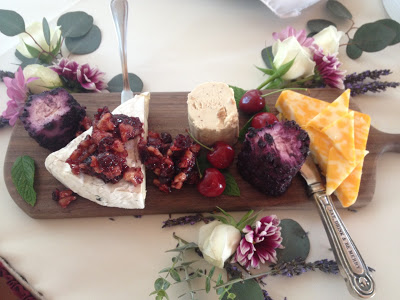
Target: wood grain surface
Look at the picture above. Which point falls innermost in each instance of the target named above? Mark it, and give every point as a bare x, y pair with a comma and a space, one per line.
168, 113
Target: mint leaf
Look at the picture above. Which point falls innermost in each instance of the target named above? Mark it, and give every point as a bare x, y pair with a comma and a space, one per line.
22, 174
202, 163
238, 92
232, 188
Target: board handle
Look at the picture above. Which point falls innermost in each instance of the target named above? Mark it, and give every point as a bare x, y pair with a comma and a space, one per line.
387, 142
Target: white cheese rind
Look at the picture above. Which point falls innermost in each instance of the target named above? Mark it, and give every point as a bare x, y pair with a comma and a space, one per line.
122, 194
213, 114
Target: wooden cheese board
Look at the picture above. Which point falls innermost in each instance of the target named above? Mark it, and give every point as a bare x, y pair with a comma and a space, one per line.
168, 113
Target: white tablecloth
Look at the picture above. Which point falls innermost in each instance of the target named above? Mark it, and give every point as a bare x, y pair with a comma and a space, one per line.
173, 46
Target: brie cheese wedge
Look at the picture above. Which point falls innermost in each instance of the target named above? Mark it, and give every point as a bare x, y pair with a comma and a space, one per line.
122, 194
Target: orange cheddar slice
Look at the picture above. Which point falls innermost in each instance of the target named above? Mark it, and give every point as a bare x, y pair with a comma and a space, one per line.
298, 107
320, 145
340, 168
341, 133
347, 192
362, 123
332, 112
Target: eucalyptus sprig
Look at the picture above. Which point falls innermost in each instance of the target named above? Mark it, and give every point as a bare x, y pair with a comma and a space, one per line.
369, 37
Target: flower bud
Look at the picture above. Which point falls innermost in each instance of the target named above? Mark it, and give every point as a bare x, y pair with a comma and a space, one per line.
218, 242
47, 78
328, 39
288, 49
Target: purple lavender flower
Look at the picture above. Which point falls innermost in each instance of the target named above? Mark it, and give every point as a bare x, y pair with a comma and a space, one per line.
301, 36
328, 69
66, 68
90, 78
376, 74
259, 244
374, 87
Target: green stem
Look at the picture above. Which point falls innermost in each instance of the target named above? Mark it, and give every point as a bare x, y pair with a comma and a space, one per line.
280, 90
270, 79
39, 45
198, 142
242, 279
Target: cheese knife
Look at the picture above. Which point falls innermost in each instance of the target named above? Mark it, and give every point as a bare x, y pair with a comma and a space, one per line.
351, 264
119, 10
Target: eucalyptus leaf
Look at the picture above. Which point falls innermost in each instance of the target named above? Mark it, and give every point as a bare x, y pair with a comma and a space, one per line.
373, 37
249, 289
317, 25
268, 57
295, 241
338, 9
75, 24
394, 26
84, 44
352, 50
46, 31
25, 60
11, 23
116, 83
174, 274
161, 284
184, 247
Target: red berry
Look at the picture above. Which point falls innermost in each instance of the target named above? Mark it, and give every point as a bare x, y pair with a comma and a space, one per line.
252, 102
221, 156
262, 119
212, 184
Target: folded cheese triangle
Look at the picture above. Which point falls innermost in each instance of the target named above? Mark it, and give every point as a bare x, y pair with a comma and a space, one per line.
339, 168
341, 133
332, 112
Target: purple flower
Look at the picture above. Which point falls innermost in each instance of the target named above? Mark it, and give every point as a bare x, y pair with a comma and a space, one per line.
90, 78
328, 69
66, 68
301, 36
17, 90
259, 244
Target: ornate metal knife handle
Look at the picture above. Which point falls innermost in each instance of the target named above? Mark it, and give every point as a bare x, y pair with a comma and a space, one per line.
351, 265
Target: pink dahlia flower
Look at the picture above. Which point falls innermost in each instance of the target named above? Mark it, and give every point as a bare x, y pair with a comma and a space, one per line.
90, 78
328, 69
301, 36
259, 244
17, 90
66, 68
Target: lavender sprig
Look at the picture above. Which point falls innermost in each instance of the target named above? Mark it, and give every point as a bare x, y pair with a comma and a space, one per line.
374, 87
298, 266
5, 74
192, 219
375, 74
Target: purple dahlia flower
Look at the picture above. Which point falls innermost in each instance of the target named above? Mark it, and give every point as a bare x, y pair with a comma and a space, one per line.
66, 68
259, 244
91, 78
328, 69
301, 36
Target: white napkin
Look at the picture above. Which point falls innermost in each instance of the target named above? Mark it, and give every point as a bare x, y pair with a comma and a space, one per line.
288, 8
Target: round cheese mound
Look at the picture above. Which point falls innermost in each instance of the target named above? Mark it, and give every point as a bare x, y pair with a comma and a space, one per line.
213, 114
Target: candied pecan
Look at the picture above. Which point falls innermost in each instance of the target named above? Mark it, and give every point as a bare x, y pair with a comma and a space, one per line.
64, 197
134, 175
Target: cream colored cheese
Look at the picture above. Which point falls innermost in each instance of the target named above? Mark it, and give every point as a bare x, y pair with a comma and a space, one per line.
213, 114
122, 194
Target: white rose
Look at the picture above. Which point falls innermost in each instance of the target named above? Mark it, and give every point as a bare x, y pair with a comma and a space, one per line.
218, 242
328, 39
36, 30
288, 49
47, 78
